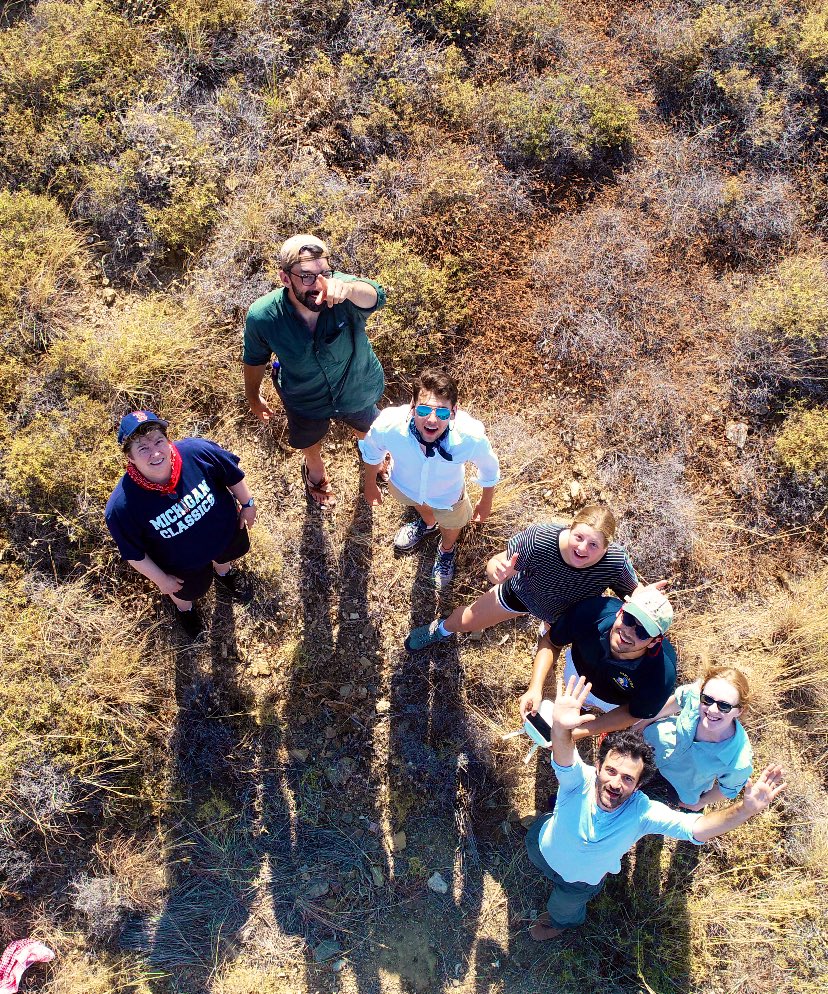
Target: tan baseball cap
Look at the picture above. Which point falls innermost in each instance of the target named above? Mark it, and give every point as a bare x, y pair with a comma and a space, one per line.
291, 252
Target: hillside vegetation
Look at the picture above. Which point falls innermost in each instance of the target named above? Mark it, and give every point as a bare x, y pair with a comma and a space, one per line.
612, 221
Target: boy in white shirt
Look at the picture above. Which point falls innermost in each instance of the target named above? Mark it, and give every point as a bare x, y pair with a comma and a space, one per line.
430, 441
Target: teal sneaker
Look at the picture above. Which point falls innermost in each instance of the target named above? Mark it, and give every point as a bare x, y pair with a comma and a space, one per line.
426, 635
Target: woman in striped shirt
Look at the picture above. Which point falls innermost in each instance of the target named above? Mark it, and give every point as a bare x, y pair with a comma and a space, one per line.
544, 570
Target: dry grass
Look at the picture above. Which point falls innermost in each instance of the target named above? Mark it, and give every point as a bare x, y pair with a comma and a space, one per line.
189, 803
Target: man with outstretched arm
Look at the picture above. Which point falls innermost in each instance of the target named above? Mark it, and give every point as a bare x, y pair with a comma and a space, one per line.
326, 371
600, 813
621, 648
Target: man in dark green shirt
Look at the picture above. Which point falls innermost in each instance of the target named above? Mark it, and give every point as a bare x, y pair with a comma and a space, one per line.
315, 325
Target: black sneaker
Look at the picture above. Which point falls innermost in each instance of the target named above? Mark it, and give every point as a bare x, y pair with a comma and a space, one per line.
236, 586
191, 622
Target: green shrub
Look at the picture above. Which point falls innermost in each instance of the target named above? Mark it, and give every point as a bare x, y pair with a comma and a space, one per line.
63, 459
137, 357
781, 347
41, 269
738, 65
65, 73
802, 444
161, 195
792, 304
371, 91
12, 373
458, 19
812, 44
425, 307
556, 123
190, 18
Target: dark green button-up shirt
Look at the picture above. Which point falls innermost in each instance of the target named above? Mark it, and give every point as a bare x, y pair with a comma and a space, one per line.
332, 371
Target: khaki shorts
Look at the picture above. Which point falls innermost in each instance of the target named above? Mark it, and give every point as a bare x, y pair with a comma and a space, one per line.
457, 516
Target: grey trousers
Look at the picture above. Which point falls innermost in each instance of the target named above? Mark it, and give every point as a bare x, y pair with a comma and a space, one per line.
568, 900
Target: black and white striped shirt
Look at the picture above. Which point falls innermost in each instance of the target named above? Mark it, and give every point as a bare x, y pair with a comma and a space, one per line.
548, 585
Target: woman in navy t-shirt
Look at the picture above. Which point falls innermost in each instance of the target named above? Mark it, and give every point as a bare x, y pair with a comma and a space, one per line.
175, 514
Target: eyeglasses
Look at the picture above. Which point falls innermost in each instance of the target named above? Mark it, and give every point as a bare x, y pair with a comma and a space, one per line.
308, 279
724, 706
630, 621
423, 411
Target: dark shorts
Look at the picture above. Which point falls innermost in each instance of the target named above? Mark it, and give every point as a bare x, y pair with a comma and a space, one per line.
303, 432
568, 900
660, 789
197, 581
509, 600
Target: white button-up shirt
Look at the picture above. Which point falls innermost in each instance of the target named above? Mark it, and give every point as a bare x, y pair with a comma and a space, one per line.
435, 481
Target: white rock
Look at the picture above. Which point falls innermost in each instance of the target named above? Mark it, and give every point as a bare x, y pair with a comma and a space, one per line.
437, 884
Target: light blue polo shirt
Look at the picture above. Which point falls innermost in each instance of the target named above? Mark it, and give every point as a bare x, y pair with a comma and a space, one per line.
583, 843
693, 767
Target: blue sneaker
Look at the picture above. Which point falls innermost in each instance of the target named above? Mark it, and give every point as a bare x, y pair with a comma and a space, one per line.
442, 572
410, 535
426, 635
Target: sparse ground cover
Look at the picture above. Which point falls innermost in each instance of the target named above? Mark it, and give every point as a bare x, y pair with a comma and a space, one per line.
610, 220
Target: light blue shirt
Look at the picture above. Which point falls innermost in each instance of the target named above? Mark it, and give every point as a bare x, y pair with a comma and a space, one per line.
583, 843
693, 767
435, 482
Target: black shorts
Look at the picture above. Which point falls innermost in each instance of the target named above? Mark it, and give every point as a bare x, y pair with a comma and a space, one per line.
197, 581
658, 788
303, 432
509, 599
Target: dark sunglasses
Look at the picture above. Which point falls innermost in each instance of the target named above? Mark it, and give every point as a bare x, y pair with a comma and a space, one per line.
630, 621
423, 411
723, 706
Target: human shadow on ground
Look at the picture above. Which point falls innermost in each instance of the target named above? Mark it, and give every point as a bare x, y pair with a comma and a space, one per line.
335, 682
208, 817
440, 773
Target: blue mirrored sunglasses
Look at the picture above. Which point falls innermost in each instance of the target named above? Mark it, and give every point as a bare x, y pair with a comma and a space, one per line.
423, 411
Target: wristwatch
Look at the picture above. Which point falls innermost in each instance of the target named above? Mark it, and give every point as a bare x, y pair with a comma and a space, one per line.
250, 503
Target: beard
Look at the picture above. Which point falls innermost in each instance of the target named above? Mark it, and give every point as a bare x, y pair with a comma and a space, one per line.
308, 301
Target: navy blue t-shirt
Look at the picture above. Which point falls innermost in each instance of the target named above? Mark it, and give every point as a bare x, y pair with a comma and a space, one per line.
187, 529
643, 684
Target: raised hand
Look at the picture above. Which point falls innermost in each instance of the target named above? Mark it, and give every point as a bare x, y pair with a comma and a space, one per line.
764, 790
569, 700
502, 571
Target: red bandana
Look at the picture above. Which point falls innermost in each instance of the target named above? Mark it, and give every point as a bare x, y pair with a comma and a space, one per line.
162, 488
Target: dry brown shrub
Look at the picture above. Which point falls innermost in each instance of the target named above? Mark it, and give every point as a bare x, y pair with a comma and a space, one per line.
603, 297
447, 197
241, 263
732, 217
75, 971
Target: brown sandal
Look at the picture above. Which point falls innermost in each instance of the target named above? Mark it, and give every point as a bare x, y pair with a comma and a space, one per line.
321, 493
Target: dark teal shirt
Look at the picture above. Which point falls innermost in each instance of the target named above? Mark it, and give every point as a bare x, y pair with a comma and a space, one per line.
331, 371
